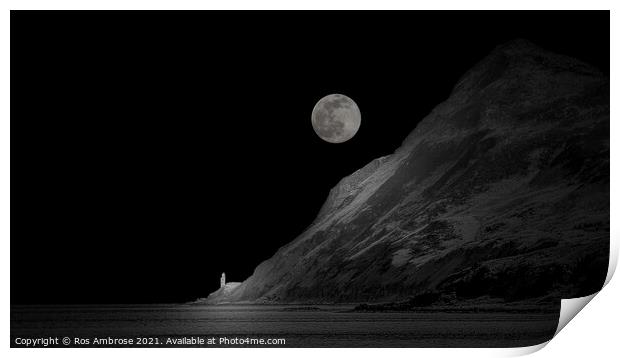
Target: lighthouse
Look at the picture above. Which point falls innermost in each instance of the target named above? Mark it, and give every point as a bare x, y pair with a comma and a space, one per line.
223, 280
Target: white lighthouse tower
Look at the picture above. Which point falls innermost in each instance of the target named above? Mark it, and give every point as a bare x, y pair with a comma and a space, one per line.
223, 280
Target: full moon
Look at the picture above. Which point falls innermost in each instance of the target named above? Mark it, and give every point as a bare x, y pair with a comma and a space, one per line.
336, 118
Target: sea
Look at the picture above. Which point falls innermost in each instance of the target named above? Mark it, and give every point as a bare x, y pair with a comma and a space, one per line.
270, 326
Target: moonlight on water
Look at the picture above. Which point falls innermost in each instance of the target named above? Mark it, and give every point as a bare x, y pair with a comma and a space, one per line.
336, 118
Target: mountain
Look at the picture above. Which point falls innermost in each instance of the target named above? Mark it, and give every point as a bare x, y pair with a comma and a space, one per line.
500, 193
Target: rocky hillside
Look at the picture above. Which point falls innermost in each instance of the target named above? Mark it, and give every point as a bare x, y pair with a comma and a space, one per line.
221, 295
501, 192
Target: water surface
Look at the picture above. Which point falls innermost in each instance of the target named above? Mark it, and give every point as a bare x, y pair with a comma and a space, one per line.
300, 326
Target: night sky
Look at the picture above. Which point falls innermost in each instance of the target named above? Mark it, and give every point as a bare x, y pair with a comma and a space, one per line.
153, 150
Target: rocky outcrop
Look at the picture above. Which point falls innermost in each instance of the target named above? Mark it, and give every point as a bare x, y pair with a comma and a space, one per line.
222, 295
502, 191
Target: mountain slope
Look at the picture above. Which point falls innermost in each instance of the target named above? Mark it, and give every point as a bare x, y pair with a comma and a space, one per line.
502, 191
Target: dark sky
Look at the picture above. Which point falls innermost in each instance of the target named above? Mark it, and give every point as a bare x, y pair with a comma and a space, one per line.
153, 150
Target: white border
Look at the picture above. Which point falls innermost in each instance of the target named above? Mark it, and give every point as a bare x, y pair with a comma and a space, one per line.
595, 330
310, 5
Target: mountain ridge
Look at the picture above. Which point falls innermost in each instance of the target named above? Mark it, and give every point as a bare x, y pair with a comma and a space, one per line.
501, 191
